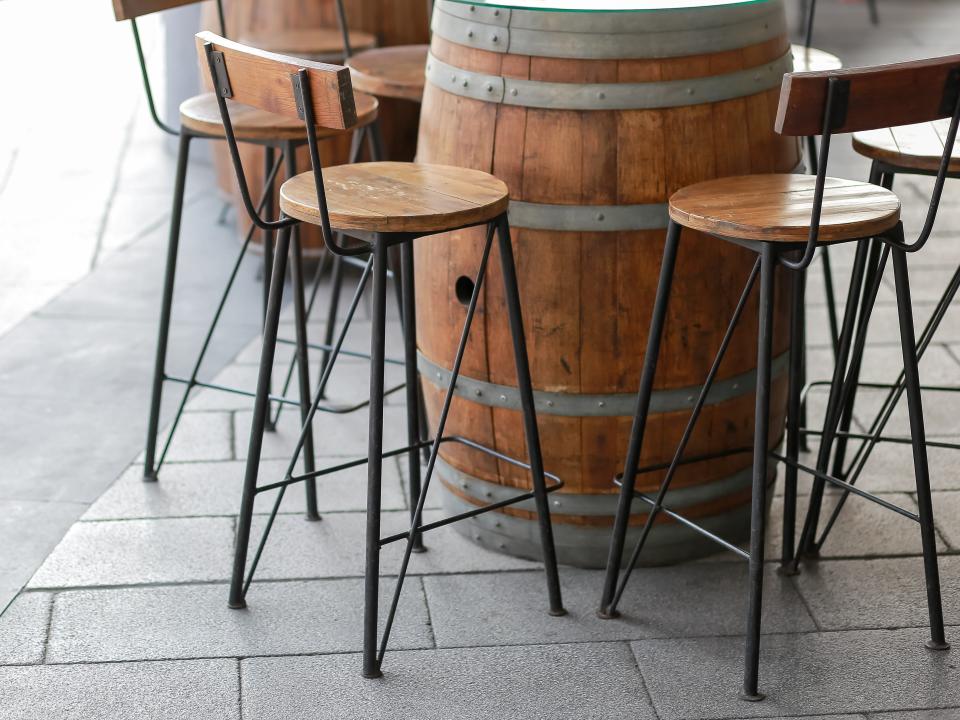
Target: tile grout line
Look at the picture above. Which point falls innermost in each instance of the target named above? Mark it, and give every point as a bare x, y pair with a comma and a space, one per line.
48, 628
240, 688
115, 186
643, 680
426, 604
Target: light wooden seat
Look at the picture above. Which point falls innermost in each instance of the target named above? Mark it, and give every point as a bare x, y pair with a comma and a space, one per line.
397, 197
779, 207
393, 72
918, 147
201, 113
311, 43
813, 60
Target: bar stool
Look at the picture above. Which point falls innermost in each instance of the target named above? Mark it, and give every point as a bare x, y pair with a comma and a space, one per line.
379, 205
784, 218
200, 119
910, 150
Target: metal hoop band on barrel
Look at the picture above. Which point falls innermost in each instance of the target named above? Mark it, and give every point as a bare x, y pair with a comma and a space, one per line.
609, 35
586, 545
607, 405
607, 96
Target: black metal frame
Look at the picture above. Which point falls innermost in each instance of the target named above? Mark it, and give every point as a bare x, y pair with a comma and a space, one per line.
275, 153
378, 246
772, 254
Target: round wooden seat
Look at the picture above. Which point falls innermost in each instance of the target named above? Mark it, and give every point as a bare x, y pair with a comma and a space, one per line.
397, 197
813, 60
777, 208
918, 147
201, 114
393, 72
321, 43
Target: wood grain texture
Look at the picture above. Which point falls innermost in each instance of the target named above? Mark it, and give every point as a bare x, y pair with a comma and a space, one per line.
778, 208
919, 147
307, 42
587, 296
881, 96
132, 9
263, 80
397, 197
392, 72
201, 113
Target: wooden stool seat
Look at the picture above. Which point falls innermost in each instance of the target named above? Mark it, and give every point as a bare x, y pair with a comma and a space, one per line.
393, 72
201, 113
397, 197
310, 43
778, 208
917, 147
813, 60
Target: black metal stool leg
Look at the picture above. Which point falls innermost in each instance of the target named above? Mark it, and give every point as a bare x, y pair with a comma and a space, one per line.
917, 433
303, 375
261, 409
371, 665
303, 361
758, 513
166, 305
531, 431
618, 538
408, 309
796, 382
269, 155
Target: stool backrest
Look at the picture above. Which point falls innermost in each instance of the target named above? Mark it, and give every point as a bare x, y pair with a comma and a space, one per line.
856, 99
871, 97
319, 94
131, 10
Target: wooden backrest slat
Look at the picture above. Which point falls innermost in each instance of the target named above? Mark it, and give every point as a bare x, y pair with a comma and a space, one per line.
132, 9
882, 96
263, 80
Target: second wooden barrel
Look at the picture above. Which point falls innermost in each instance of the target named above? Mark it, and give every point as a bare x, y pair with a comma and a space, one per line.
594, 120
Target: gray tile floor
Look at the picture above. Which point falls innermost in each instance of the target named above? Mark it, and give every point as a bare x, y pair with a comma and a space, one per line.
127, 617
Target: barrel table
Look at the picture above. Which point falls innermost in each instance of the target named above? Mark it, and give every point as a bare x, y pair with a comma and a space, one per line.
594, 112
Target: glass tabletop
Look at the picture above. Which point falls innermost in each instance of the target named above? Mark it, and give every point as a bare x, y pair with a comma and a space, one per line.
605, 5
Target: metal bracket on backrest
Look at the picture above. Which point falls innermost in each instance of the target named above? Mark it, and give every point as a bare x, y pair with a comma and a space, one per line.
841, 103
221, 79
298, 95
951, 93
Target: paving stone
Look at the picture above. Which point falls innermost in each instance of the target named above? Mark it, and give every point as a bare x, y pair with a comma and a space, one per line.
283, 618
837, 672
863, 529
182, 690
890, 469
214, 489
340, 435
199, 436
335, 547
139, 551
23, 629
887, 593
543, 681
946, 515
685, 600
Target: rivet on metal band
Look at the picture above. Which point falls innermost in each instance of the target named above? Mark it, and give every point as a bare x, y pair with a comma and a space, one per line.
607, 96
605, 405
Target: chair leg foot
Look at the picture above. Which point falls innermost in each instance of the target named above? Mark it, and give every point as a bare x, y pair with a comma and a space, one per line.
557, 612
937, 646
789, 569
150, 476
237, 604
608, 614
751, 697
372, 674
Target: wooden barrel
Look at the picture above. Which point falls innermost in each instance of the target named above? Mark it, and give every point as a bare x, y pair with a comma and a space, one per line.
594, 120
393, 22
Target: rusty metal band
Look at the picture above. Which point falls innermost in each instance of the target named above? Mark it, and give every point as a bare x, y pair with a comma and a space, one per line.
598, 405
607, 96
609, 35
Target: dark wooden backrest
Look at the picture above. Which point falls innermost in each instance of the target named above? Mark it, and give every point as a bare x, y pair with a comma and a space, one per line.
265, 80
132, 9
874, 97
